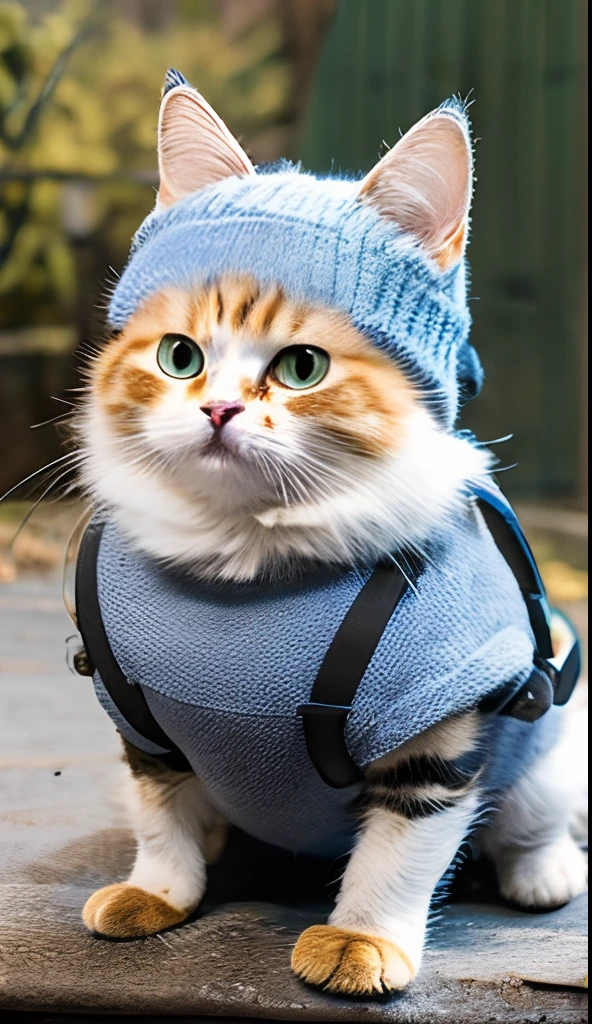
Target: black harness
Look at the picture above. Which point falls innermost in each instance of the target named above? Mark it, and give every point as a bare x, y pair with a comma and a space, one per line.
350, 652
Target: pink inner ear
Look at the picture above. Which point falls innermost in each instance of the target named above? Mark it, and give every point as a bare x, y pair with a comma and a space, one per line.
424, 185
195, 148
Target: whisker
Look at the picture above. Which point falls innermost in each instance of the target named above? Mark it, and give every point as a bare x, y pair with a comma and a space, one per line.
56, 398
409, 581
54, 419
497, 440
32, 476
30, 512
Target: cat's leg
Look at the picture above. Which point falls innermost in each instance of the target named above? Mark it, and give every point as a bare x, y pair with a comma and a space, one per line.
419, 808
538, 863
171, 816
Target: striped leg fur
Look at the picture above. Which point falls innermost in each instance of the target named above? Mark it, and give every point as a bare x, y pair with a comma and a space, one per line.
419, 805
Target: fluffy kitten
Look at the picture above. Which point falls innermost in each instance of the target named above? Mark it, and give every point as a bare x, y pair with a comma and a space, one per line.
236, 432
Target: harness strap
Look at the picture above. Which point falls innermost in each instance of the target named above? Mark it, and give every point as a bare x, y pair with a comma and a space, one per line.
551, 681
507, 533
128, 699
342, 670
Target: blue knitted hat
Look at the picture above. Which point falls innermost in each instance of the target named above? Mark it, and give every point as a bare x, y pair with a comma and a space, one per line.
313, 237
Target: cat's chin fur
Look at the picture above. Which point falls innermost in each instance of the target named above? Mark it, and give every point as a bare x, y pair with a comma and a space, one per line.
399, 502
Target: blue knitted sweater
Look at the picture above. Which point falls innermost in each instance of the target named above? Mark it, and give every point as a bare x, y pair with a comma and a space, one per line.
225, 666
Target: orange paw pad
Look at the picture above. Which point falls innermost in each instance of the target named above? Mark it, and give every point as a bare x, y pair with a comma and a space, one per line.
124, 911
350, 963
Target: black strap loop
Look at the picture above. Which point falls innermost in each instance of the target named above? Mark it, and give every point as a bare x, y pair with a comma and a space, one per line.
512, 544
128, 699
342, 670
567, 676
561, 679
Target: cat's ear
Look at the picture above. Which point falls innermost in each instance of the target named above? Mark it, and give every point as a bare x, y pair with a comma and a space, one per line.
195, 148
425, 183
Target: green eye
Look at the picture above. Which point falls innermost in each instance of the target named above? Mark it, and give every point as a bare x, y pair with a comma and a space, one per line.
179, 356
300, 366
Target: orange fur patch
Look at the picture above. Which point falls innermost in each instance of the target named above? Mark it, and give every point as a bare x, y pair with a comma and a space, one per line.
263, 313
140, 387
350, 963
245, 298
197, 387
362, 410
123, 415
453, 250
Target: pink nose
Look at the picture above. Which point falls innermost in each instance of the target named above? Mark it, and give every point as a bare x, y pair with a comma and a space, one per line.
221, 412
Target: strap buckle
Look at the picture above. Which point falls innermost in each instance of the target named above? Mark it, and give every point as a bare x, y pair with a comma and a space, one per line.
551, 682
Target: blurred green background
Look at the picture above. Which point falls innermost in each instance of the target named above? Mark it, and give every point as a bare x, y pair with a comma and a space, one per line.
328, 81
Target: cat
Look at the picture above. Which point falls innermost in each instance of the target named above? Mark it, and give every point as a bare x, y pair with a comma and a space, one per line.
236, 430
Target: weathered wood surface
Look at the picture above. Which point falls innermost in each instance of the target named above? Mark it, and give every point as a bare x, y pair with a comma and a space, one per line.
64, 832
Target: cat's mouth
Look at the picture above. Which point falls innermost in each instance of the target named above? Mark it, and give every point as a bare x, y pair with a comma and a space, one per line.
218, 447
222, 447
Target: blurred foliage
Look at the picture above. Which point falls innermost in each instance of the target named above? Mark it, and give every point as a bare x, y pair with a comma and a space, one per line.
79, 90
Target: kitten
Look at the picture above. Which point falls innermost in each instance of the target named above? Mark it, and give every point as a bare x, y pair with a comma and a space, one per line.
240, 433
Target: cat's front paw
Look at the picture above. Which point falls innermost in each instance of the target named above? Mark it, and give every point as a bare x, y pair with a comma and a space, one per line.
124, 911
544, 878
350, 963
